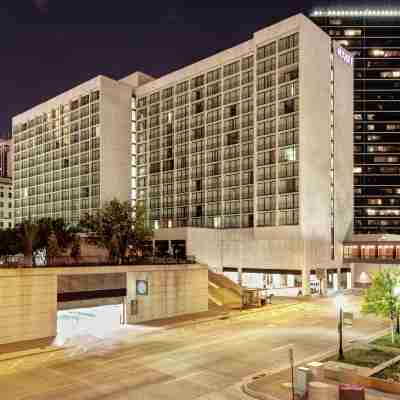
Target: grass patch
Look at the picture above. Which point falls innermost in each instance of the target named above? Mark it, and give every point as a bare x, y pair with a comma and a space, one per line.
390, 373
387, 341
369, 358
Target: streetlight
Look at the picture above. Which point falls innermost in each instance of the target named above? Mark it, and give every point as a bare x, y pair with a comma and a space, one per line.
396, 294
339, 308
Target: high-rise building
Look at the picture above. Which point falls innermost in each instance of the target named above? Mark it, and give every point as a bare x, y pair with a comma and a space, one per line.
6, 203
72, 153
5, 158
373, 37
245, 158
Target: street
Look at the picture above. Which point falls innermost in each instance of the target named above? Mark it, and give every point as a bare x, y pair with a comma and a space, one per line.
203, 361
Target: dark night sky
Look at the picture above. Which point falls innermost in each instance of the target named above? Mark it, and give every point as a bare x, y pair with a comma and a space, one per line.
49, 46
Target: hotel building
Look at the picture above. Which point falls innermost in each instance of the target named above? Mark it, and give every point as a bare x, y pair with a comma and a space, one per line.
373, 37
243, 160
246, 157
72, 153
5, 158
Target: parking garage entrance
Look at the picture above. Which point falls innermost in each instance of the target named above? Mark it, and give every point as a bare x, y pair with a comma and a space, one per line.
90, 305
97, 322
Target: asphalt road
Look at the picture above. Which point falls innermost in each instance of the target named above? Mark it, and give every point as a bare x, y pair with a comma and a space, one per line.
204, 361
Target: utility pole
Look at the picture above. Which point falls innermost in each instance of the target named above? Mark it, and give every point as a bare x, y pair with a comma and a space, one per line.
291, 359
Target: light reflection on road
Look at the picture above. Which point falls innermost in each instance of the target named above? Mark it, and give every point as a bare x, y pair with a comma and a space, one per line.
97, 322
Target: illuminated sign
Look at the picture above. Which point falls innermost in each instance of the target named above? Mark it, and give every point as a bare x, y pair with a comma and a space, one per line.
346, 57
142, 288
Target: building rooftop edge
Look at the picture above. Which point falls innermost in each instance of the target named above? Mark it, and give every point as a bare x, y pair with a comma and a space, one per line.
225, 52
56, 98
355, 12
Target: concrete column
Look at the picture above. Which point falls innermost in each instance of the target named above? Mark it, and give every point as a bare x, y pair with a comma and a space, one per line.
339, 278
154, 247
353, 275
305, 281
240, 281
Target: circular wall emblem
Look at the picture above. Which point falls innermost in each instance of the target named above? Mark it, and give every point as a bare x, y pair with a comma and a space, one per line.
141, 288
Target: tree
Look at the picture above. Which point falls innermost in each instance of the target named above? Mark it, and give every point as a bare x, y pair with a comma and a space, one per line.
27, 232
117, 225
53, 249
54, 237
141, 232
76, 248
10, 243
380, 298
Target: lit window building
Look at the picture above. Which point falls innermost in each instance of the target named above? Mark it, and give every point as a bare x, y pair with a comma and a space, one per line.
5, 158
6, 203
373, 37
72, 153
246, 156
243, 160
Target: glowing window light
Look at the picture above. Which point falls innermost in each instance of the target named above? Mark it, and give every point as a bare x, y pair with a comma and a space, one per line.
358, 12
378, 53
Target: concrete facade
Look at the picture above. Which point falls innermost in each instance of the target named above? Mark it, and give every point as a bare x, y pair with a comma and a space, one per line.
6, 203
5, 158
72, 153
28, 304
290, 207
28, 296
171, 292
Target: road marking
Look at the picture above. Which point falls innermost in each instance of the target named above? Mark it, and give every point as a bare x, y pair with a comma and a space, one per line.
182, 378
287, 346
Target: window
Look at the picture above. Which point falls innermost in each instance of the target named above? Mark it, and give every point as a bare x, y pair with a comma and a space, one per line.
288, 154
197, 81
265, 66
266, 82
352, 32
154, 98
290, 57
182, 87
289, 217
289, 42
232, 68
288, 106
213, 75
247, 62
266, 50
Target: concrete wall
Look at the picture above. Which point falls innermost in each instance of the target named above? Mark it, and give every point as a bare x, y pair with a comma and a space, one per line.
28, 296
115, 132
172, 291
68, 284
314, 144
28, 304
343, 119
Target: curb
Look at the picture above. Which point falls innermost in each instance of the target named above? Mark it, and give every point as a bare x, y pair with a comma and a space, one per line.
32, 353
266, 373
228, 315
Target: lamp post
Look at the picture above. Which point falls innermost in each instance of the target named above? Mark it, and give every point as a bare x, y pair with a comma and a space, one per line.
339, 308
396, 293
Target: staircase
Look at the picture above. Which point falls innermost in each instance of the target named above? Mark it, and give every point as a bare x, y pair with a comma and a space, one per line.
222, 292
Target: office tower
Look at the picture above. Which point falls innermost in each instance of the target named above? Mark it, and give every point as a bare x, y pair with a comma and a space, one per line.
373, 37
6, 203
5, 158
245, 158
72, 153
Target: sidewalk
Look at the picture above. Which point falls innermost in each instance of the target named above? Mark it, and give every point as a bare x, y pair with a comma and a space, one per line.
213, 315
276, 386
